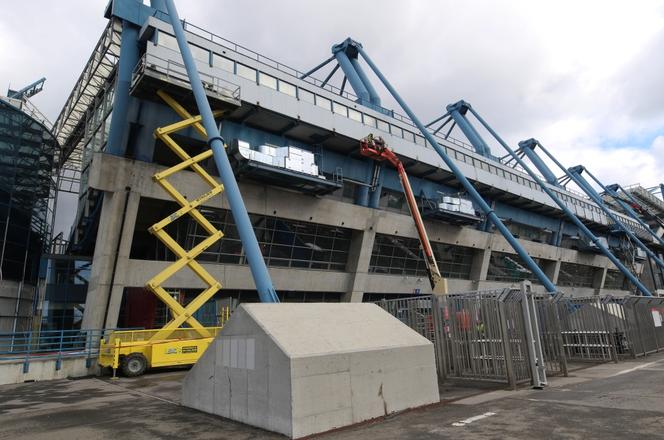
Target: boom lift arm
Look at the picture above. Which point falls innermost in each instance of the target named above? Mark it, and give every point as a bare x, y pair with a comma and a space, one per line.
376, 149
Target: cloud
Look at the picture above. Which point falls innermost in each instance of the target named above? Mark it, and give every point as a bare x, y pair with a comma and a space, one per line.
582, 77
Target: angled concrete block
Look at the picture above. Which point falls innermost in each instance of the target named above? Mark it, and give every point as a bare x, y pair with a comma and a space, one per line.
301, 369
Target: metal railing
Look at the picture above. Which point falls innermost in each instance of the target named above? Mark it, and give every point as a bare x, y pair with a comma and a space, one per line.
55, 345
478, 335
177, 72
485, 336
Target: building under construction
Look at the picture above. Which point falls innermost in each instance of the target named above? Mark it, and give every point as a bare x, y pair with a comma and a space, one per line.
28, 154
332, 225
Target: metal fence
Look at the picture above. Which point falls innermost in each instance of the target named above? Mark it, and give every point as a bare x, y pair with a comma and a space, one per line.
514, 336
51, 345
477, 335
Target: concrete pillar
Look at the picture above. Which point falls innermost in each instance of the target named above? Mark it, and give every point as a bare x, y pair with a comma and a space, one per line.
551, 269
102, 305
480, 266
359, 257
599, 276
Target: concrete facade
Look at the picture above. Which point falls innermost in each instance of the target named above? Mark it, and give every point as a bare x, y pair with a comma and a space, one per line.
113, 175
301, 369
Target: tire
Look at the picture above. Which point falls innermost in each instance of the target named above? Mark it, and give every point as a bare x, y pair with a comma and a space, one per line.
134, 365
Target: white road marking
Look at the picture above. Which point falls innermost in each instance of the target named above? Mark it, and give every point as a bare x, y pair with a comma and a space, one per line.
635, 368
470, 420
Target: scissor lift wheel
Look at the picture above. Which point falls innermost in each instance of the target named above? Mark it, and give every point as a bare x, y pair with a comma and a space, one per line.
134, 365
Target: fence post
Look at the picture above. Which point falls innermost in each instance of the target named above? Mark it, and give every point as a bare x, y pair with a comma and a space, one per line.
88, 345
562, 358
26, 362
638, 326
611, 338
507, 343
58, 361
654, 329
439, 336
537, 368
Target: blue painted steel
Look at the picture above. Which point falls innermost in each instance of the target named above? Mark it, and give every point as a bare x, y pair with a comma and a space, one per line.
528, 148
579, 224
661, 190
128, 59
330, 75
458, 112
133, 11
362, 195
304, 75
374, 196
27, 91
575, 174
245, 229
477, 198
611, 190
159, 5
373, 95
339, 51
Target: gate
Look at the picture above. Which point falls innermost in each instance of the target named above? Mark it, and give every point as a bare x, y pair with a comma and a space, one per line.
489, 336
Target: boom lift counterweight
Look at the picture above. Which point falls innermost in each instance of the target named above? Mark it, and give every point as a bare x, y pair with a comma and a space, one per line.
376, 149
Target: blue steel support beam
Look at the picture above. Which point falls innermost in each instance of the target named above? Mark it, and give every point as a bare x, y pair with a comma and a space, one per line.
339, 51
374, 196
661, 190
458, 112
128, 60
528, 148
159, 5
373, 95
611, 191
323, 64
477, 198
573, 218
330, 75
575, 174
245, 229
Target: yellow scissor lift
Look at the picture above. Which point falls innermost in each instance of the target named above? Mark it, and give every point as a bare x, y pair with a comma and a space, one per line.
135, 351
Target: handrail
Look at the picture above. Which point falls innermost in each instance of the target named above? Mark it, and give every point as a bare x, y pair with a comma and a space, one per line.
173, 69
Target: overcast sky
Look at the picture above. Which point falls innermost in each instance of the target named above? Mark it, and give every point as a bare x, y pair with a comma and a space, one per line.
583, 77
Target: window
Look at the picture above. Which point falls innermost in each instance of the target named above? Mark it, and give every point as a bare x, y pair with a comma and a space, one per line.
285, 243
288, 89
267, 80
509, 268
382, 125
223, 63
340, 109
246, 72
199, 53
305, 95
419, 140
410, 137
396, 131
323, 102
403, 256
575, 275
370, 121
168, 41
354, 115
615, 280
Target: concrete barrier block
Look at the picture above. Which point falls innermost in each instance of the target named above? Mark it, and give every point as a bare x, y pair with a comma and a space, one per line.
302, 369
